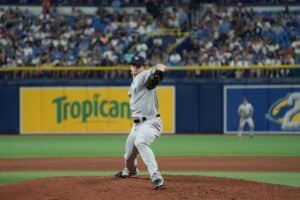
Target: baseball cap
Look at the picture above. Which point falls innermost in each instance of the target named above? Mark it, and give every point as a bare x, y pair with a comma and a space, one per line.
137, 60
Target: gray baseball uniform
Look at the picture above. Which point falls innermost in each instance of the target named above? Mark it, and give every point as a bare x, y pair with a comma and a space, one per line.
148, 126
143, 102
245, 112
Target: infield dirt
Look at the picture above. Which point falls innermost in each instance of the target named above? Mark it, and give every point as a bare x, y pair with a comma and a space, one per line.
176, 187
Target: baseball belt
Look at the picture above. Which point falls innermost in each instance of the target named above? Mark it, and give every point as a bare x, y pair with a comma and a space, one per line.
142, 119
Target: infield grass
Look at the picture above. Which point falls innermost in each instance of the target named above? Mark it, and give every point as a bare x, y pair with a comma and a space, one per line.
170, 145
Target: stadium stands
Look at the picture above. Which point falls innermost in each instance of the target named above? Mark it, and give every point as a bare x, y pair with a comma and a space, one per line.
243, 38
223, 36
144, 2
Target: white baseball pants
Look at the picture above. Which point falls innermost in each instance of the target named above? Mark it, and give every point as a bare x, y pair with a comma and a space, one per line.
248, 120
142, 135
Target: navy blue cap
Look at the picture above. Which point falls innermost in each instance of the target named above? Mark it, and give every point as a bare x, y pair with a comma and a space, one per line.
137, 60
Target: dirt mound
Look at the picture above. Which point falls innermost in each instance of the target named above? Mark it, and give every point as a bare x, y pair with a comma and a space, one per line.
176, 187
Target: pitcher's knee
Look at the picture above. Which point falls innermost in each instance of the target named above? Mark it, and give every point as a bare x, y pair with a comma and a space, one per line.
126, 156
140, 144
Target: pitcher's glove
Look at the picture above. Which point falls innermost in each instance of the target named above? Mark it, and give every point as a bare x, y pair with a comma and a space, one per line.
154, 79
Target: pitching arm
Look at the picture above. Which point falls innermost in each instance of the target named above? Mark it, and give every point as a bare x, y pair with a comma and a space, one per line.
156, 76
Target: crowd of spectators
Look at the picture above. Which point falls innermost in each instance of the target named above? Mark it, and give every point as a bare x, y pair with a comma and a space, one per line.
53, 39
144, 2
236, 37
103, 39
241, 37
123, 3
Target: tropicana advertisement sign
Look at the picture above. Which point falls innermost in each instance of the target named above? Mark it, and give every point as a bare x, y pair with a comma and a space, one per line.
85, 109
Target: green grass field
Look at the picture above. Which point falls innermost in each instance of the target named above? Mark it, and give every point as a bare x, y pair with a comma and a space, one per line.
179, 145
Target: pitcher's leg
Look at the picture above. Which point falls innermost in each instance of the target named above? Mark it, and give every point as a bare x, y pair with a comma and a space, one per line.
130, 152
147, 154
144, 139
147, 133
130, 162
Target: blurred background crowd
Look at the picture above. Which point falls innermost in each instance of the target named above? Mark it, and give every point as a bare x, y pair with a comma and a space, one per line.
177, 33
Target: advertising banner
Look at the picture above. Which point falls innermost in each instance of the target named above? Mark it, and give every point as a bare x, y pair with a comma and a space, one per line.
276, 107
85, 109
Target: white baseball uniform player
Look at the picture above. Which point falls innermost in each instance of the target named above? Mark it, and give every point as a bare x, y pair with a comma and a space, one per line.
147, 125
245, 112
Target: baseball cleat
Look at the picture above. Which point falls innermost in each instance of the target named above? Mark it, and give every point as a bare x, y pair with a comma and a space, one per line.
121, 175
125, 174
158, 183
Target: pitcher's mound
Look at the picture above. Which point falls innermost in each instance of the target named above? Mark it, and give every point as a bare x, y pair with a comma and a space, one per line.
176, 187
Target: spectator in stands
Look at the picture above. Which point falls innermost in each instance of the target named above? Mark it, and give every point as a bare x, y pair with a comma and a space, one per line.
116, 6
181, 18
153, 7
175, 59
46, 4
296, 47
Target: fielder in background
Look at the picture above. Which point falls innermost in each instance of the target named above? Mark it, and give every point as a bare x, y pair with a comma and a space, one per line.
147, 126
245, 112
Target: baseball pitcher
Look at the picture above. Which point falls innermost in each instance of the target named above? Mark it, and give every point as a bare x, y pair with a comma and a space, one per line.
245, 112
147, 125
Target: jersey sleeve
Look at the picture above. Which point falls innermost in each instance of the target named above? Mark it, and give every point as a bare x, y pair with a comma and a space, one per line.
143, 77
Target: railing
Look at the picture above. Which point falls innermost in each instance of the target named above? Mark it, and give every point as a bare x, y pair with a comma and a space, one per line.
126, 67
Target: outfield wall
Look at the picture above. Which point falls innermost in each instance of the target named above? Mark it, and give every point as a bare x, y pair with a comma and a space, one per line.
276, 107
187, 106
